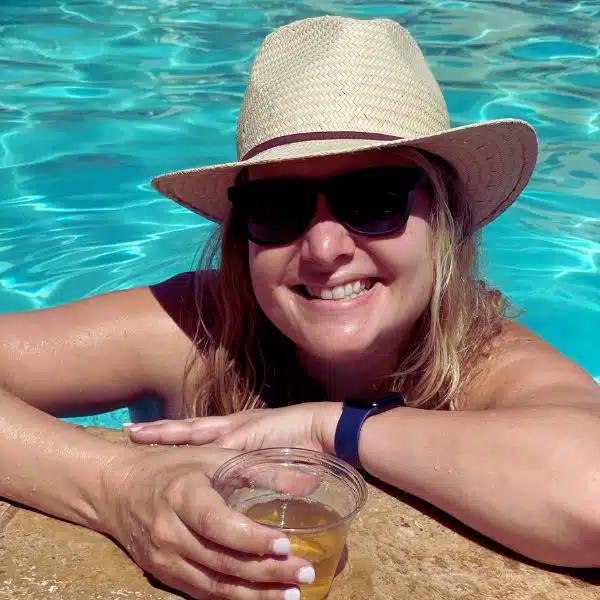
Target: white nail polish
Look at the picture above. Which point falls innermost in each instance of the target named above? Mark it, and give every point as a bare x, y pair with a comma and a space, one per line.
291, 594
127, 424
305, 575
281, 546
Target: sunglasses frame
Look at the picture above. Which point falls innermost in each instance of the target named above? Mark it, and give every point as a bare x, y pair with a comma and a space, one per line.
323, 186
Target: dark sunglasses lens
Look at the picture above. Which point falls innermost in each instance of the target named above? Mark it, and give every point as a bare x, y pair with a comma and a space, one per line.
276, 211
375, 201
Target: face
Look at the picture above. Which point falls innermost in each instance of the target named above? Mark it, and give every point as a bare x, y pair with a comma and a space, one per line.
294, 282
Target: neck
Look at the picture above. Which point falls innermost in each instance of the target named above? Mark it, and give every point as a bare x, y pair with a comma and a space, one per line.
358, 377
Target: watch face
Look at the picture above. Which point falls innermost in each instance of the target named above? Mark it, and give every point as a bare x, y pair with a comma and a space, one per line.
376, 400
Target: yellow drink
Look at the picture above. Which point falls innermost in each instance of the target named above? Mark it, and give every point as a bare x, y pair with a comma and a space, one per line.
322, 548
271, 487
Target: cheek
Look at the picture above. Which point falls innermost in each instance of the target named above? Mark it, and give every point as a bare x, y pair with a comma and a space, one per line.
420, 238
413, 264
259, 271
423, 260
267, 270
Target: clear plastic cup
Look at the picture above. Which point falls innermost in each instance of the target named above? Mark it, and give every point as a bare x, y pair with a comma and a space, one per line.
309, 496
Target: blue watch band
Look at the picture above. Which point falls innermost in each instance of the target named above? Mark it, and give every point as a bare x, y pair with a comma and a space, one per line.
355, 412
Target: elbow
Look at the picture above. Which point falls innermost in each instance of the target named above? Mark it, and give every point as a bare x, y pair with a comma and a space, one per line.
574, 541
576, 499
585, 516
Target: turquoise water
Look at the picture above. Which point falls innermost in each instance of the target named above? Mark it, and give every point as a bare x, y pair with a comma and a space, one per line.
97, 96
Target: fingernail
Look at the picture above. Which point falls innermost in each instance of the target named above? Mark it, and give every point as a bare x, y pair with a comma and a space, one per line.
135, 428
128, 424
305, 575
281, 546
291, 594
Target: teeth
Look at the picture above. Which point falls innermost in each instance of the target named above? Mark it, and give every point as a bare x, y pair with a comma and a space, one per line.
340, 292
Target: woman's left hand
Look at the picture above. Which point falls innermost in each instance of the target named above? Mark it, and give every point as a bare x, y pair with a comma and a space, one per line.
311, 426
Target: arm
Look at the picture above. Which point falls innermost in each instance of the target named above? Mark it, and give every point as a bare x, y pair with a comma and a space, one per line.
160, 506
79, 358
52, 466
524, 472
97, 354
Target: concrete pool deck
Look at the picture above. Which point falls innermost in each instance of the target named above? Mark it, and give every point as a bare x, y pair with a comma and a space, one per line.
399, 549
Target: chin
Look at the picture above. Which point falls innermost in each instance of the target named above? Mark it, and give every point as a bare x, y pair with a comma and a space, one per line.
346, 351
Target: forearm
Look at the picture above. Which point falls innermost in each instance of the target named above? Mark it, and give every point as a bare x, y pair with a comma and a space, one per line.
527, 477
50, 465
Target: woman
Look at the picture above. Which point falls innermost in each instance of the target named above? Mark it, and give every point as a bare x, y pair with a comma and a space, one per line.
347, 271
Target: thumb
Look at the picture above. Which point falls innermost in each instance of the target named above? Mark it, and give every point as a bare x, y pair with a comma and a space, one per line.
246, 437
297, 480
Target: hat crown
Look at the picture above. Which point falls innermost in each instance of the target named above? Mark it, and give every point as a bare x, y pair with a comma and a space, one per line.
337, 74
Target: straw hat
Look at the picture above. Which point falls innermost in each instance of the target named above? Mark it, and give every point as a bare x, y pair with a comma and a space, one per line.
335, 85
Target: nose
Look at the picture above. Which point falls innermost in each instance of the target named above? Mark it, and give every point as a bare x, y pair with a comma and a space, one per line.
326, 242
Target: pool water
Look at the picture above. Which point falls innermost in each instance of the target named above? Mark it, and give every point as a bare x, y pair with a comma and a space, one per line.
98, 96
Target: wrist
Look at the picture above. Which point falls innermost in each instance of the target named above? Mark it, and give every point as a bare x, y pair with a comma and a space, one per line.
331, 413
114, 475
356, 411
379, 442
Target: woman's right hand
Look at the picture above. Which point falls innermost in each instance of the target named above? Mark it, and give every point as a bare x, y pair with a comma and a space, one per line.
160, 506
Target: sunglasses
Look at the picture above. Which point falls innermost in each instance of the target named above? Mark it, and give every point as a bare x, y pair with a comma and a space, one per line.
370, 202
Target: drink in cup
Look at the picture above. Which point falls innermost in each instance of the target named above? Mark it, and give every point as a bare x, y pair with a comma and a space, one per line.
309, 496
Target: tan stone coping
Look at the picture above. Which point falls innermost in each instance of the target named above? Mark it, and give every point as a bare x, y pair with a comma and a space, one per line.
399, 549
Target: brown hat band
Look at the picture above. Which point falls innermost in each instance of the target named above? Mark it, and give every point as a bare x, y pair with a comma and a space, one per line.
316, 136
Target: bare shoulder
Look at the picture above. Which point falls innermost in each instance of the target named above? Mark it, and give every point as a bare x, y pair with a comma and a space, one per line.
179, 298
103, 351
521, 365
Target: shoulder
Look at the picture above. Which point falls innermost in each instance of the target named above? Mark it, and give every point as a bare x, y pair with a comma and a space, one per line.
113, 347
519, 368
184, 296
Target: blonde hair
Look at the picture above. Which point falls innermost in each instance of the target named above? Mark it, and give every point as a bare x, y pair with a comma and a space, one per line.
242, 359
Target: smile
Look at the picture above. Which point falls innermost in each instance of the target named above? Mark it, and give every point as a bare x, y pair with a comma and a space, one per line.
348, 291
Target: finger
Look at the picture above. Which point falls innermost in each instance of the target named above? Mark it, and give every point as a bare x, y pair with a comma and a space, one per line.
284, 480
249, 567
207, 515
129, 426
201, 582
242, 438
294, 481
191, 431
291, 480
297, 482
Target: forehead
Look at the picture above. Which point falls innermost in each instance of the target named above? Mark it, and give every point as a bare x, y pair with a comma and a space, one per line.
325, 166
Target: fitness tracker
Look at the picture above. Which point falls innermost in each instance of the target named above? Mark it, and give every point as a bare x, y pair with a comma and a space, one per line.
354, 413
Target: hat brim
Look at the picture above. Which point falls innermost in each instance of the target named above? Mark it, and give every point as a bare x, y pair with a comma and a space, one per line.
493, 161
